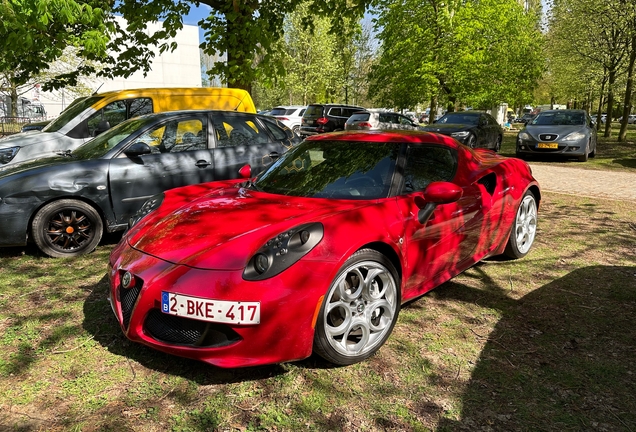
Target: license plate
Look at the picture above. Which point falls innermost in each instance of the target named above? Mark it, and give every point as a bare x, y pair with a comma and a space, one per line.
221, 311
548, 145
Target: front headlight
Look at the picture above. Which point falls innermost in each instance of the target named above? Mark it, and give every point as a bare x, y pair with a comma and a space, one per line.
282, 251
150, 205
462, 134
574, 136
524, 136
7, 154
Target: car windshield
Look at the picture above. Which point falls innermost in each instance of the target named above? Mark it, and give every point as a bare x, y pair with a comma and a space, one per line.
359, 117
103, 143
559, 118
333, 169
73, 110
459, 118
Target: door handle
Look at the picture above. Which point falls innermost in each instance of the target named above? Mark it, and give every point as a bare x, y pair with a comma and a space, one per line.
274, 155
203, 163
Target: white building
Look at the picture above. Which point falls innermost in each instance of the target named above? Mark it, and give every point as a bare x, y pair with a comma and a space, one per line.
181, 68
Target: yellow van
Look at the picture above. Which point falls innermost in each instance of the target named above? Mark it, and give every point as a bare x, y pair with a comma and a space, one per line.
89, 116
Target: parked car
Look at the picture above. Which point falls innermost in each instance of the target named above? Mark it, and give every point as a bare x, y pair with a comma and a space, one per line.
322, 118
319, 252
569, 133
291, 116
473, 128
95, 114
525, 118
379, 120
63, 203
631, 119
34, 126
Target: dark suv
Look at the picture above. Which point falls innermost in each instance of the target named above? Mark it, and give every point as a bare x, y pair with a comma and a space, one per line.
321, 118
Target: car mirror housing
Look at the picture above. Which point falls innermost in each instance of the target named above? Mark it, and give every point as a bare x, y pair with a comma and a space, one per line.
245, 171
138, 149
436, 193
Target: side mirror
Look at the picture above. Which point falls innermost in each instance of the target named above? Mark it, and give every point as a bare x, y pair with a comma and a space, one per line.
436, 193
137, 149
103, 126
245, 172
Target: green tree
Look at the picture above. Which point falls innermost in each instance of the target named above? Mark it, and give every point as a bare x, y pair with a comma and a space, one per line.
35, 33
243, 30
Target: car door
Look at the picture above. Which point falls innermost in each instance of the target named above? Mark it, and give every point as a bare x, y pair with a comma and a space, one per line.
180, 155
436, 248
241, 139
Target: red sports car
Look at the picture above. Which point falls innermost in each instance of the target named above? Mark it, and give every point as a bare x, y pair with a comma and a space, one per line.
318, 252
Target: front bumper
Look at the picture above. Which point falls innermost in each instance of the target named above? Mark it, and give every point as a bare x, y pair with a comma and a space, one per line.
567, 149
288, 305
15, 217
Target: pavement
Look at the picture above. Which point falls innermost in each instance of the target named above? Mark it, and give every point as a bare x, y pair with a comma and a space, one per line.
586, 183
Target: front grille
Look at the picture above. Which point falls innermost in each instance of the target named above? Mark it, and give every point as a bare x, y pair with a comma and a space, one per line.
185, 331
548, 137
128, 298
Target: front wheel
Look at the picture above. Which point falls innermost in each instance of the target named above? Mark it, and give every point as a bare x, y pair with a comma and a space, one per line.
359, 310
524, 228
498, 145
67, 228
586, 152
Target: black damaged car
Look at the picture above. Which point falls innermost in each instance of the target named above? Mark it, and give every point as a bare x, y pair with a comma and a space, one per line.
65, 203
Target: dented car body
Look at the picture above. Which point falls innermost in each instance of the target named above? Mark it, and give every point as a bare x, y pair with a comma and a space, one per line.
65, 202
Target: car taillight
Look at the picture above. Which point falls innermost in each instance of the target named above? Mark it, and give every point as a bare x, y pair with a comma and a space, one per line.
282, 118
322, 121
365, 124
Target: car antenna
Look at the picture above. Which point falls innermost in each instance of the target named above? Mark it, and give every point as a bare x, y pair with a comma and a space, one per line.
100, 86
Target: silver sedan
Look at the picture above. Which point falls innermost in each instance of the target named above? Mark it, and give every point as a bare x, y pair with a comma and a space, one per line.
567, 133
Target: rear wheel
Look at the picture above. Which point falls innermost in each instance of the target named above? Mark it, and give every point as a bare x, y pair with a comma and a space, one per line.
67, 228
524, 228
359, 310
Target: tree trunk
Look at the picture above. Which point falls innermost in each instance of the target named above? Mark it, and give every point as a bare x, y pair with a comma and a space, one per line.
627, 106
610, 102
600, 103
433, 111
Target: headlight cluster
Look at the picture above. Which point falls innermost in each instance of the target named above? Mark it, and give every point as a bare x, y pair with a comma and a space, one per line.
7, 154
461, 134
574, 136
280, 252
524, 136
151, 204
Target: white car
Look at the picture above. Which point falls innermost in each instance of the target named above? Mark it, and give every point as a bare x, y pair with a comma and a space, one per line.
291, 116
379, 120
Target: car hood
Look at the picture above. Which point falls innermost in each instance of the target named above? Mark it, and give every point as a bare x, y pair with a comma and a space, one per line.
447, 128
29, 138
223, 227
560, 130
32, 165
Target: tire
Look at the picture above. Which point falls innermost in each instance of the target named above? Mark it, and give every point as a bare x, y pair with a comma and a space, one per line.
498, 144
471, 141
296, 130
356, 318
524, 228
67, 228
586, 153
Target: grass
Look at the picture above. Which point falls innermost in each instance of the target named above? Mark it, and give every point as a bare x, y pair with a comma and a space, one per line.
611, 155
541, 343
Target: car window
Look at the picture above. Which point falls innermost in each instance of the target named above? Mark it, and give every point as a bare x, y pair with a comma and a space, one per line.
302, 111
118, 111
238, 130
426, 164
404, 120
361, 117
335, 112
278, 111
314, 111
277, 131
177, 136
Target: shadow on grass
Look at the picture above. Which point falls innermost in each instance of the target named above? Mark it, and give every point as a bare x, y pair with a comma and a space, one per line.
562, 358
100, 321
